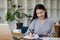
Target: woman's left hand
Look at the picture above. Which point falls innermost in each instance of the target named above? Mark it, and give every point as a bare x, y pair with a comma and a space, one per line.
45, 35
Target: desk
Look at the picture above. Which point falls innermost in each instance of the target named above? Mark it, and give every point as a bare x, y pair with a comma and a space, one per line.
22, 35
3, 39
18, 34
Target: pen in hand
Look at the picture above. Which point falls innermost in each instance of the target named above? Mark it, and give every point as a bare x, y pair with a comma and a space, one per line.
31, 32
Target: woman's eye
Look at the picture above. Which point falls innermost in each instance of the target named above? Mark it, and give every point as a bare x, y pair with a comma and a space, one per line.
41, 12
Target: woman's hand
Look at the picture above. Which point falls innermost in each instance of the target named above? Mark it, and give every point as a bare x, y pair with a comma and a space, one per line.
45, 35
31, 34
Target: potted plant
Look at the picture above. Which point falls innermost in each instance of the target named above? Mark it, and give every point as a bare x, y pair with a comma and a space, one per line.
19, 17
10, 17
16, 15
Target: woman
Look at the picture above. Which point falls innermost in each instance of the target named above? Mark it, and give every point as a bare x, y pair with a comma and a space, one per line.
41, 24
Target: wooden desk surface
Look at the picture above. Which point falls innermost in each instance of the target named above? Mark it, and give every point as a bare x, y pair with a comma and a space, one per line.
21, 35
18, 34
3, 39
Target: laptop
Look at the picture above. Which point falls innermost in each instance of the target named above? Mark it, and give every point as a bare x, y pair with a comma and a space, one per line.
5, 33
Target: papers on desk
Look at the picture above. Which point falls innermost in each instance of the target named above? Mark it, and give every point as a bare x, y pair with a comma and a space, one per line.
42, 38
49, 38
28, 37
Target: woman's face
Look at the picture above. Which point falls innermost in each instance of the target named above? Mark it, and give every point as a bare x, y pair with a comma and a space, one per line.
40, 13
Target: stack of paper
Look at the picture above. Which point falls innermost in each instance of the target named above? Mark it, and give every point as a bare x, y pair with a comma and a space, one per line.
28, 37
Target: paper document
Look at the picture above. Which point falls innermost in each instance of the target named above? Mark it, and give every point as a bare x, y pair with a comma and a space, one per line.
28, 37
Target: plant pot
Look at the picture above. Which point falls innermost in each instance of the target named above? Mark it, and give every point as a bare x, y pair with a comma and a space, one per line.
19, 25
12, 25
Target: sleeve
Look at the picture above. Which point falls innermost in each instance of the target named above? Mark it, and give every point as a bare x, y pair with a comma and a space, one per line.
52, 30
31, 27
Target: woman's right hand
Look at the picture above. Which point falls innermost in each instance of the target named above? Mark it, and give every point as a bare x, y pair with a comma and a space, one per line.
31, 34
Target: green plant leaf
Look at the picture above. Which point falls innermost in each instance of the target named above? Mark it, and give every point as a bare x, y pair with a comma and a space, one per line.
10, 17
17, 14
